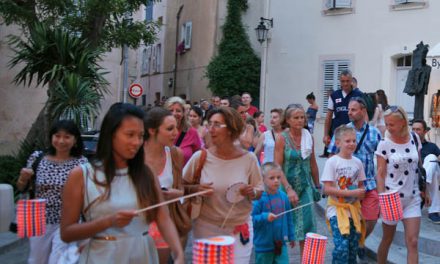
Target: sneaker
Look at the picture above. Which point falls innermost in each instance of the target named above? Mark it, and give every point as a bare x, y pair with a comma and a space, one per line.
361, 253
323, 156
434, 217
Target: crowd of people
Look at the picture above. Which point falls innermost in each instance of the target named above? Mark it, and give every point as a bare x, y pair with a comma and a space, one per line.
146, 157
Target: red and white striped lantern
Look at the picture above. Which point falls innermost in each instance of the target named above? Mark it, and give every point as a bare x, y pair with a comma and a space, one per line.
31, 217
214, 250
390, 206
314, 249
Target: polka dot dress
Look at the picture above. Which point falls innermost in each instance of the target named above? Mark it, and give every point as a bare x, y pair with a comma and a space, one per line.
402, 172
51, 177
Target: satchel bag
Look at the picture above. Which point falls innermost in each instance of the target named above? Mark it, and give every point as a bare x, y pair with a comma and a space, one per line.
422, 171
195, 203
178, 213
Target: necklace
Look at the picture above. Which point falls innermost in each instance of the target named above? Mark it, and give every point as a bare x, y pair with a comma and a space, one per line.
295, 140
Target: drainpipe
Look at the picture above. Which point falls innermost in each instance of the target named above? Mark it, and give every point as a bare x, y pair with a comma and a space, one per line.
263, 87
176, 57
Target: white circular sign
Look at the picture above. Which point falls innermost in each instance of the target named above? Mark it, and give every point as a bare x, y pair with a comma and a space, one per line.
135, 90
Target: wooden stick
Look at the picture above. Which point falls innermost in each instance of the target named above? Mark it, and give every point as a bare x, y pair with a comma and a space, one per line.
172, 201
293, 209
227, 215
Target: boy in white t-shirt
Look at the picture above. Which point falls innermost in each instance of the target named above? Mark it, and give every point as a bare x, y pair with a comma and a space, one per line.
343, 178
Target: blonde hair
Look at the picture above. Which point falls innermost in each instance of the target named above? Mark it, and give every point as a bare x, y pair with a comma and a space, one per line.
288, 112
342, 130
400, 113
269, 166
184, 125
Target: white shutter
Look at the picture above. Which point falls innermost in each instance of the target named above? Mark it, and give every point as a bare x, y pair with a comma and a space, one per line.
188, 33
153, 59
343, 3
332, 70
144, 61
401, 1
329, 4
158, 57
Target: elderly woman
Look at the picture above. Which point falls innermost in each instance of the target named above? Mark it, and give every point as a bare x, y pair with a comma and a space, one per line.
397, 158
188, 139
294, 151
226, 164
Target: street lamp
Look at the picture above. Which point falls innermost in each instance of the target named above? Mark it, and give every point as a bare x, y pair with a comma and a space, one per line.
263, 28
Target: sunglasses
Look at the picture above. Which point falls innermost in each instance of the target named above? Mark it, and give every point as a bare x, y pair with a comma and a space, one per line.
395, 109
359, 100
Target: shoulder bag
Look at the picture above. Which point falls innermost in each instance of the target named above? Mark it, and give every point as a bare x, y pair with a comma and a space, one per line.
195, 203
178, 214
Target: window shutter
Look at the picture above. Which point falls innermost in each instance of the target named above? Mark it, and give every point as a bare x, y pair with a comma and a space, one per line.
158, 57
332, 70
149, 12
398, 2
338, 4
153, 59
343, 3
144, 61
188, 34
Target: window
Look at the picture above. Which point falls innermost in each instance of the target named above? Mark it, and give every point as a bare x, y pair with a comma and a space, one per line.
399, 2
187, 34
398, 5
146, 57
404, 61
331, 71
149, 11
157, 58
330, 4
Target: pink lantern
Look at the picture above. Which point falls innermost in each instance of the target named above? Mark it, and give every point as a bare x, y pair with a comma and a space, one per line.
31, 217
390, 206
214, 250
314, 249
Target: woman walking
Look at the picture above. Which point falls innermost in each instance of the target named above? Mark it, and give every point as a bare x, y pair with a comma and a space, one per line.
397, 159
188, 139
266, 142
50, 176
294, 151
226, 164
166, 163
109, 191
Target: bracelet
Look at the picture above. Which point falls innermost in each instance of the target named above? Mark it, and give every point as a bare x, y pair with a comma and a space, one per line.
288, 187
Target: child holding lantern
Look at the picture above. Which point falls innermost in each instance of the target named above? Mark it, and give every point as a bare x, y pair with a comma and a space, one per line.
343, 178
270, 230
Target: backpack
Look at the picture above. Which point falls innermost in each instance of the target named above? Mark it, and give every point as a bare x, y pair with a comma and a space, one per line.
371, 107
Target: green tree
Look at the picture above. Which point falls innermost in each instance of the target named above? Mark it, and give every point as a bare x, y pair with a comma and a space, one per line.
62, 45
236, 68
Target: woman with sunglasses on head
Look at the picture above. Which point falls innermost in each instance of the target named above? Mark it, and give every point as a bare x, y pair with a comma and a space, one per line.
226, 164
53, 168
166, 162
188, 139
294, 151
108, 192
397, 159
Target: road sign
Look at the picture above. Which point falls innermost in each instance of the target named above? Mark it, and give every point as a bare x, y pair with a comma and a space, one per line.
135, 90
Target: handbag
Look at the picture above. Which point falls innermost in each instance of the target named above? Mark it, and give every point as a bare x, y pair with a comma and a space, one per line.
422, 171
178, 213
195, 204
